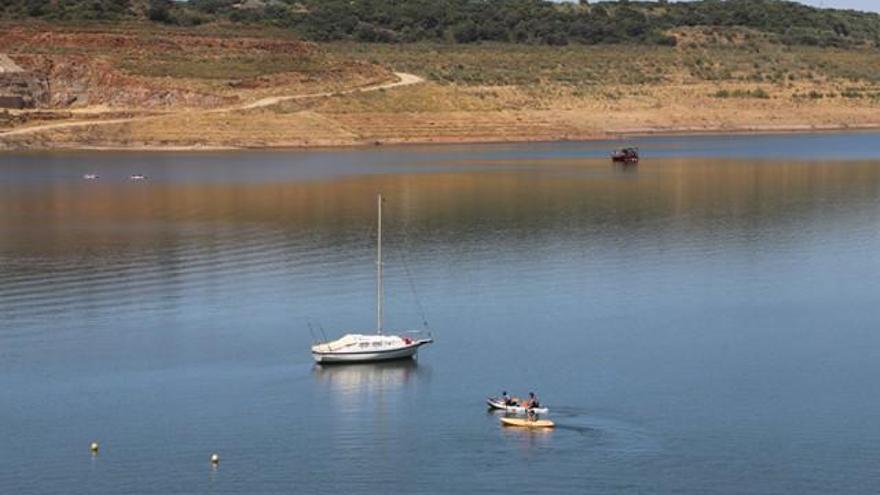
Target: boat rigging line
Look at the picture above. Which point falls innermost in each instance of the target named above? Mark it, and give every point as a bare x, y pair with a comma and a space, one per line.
409, 277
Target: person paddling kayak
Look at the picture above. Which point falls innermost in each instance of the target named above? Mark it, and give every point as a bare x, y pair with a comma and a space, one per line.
533, 401
532, 415
532, 404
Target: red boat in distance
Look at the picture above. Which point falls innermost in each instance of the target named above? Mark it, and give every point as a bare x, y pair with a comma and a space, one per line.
626, 155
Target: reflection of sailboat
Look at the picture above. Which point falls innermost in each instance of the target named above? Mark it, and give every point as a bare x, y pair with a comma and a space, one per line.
365, 398
389, 374
358, 348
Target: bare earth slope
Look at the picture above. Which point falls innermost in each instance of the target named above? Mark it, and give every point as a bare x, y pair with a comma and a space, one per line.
92, 125
148, 88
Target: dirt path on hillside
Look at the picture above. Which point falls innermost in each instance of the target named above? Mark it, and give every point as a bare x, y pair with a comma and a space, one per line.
403, 79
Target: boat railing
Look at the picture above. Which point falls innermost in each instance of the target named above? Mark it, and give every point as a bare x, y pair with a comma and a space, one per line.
417, 334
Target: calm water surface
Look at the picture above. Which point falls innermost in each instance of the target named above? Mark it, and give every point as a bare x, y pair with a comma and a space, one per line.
706, 322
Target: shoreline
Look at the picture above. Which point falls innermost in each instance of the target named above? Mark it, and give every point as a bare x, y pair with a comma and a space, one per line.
609, 135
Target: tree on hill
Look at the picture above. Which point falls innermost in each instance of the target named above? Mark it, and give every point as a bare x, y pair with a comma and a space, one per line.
160, 11
472, 21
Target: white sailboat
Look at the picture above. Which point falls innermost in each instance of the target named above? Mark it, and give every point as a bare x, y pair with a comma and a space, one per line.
360, 348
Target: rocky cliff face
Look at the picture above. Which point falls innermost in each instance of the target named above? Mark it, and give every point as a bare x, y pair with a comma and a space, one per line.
20, 88
23, 90
78, 80
91, 68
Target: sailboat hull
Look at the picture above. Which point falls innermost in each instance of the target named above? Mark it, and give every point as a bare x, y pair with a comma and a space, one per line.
367, 356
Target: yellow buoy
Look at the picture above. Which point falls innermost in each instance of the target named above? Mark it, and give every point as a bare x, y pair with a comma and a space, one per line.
94, 447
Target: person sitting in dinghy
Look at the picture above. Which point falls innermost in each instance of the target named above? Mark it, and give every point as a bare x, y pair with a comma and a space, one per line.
507, 400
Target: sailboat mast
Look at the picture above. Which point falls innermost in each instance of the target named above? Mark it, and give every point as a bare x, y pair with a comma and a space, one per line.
379, 285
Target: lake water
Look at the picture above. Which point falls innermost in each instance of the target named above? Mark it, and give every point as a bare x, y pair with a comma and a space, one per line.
706, 322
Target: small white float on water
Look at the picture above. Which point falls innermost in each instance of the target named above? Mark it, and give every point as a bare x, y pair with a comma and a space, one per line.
137, 177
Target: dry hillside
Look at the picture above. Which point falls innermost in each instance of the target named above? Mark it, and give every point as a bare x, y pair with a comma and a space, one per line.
143, 86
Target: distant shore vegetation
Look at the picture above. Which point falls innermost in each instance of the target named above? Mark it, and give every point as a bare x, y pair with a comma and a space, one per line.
473, 21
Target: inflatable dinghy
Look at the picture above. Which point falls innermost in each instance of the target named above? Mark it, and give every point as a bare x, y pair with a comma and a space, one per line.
498, 404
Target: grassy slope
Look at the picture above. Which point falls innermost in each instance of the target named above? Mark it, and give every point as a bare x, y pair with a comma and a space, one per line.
537, 92
504, 64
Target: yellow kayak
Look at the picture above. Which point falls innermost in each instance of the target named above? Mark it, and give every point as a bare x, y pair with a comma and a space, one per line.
525, 423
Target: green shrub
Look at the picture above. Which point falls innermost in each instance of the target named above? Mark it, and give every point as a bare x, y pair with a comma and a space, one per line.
741, 93
851, 93
518, 21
